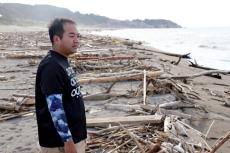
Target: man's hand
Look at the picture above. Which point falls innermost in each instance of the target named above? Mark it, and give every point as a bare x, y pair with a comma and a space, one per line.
69, 147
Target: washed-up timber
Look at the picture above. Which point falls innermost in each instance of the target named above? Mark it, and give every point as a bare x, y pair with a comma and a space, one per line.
137, 99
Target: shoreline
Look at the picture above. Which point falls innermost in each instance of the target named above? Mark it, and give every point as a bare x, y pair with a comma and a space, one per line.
206, 47
211, 92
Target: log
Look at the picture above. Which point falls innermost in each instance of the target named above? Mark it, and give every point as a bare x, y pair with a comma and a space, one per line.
122, 107
175, 105
17, 70
112, 74
15, 115
80, 58
93, 67
219, 144
176, 113
199, 66
124, 120
99, 97
100, 50
150, 108
100, 132
137, 76
44, 46
22, 56
3, 78
7, 106
170, 105
191, 76
29, 101
23, 95
146, 48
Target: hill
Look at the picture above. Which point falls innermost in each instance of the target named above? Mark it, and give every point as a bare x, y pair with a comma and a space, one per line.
22, 14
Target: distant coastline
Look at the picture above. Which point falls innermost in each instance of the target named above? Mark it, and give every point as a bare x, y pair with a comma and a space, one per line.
30, 15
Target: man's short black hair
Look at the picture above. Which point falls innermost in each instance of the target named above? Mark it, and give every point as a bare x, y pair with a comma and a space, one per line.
56, 27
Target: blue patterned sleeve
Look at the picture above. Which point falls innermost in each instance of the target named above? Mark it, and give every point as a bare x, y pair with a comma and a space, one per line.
57, 112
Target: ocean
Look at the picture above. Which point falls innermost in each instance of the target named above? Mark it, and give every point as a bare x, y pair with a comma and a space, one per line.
209, 47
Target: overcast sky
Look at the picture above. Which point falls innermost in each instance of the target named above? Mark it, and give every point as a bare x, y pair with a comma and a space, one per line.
187, 13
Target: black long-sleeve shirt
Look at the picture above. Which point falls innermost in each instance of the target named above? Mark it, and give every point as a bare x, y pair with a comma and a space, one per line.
56, 77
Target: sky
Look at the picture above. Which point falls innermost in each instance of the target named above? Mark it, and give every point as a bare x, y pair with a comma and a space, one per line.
187, 13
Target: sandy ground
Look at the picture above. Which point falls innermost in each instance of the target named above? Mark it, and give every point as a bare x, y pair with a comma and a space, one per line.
20, 134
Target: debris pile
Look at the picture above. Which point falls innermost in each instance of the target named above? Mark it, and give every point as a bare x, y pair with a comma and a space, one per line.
134, 103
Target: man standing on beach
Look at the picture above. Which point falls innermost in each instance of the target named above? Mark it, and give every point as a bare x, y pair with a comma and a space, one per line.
59, 104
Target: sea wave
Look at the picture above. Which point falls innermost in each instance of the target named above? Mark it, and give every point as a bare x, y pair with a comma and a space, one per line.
211, 47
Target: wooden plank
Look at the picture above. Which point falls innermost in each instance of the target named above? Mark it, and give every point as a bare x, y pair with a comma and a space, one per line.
105, 121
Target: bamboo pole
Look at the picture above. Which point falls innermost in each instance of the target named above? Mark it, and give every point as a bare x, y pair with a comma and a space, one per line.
144, 88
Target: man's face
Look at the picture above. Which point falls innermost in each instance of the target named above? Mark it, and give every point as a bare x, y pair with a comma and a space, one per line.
70, 41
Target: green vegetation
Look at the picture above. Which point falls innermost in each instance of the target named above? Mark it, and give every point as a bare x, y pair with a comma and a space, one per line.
21, 14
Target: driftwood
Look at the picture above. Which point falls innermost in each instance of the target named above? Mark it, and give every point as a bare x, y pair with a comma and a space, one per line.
176, 63
181, 130
15, 106
176, 105
137, 76
11, 116
93, 67
19, 103
170, 105
140, 47
23, 95
176, 113
194, 75
220, 143
17, 70
100, 50
3, 78
199, 66
112, 74
80, 58
156, 109
134, 138
103, 96
7, 106
119, 146
169, 128
122, 107
99, 132
16, 88
172, 127
124, 120
100, 96
25, 55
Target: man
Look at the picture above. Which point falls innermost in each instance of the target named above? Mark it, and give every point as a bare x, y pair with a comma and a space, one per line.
59, 105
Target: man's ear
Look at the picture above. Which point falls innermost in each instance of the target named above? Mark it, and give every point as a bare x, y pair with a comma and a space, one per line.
56, 38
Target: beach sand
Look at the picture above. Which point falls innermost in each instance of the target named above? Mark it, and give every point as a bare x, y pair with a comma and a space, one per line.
20, 134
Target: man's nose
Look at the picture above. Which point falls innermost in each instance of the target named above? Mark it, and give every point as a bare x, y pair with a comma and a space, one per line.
76, 39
